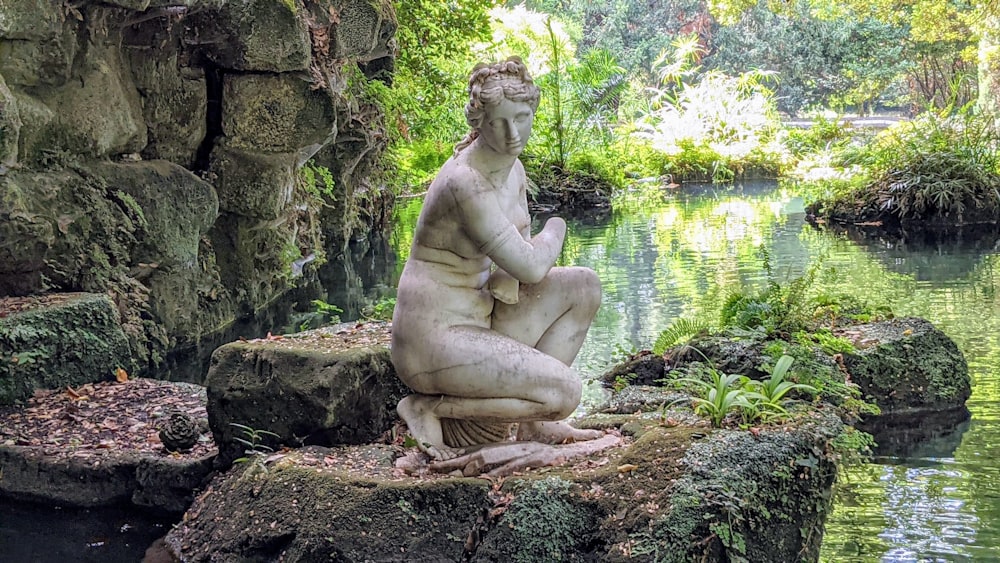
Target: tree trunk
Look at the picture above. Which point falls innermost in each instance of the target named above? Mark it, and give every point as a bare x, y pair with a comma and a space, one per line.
989, 61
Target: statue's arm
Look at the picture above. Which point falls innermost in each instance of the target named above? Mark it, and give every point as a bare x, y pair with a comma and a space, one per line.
496, 236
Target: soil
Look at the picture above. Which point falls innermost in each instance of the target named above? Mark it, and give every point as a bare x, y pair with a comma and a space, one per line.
335, 338
97, 417
126, 415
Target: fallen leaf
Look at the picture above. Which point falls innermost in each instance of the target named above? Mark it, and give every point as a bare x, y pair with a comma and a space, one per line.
627, 468
121, 376
74, 395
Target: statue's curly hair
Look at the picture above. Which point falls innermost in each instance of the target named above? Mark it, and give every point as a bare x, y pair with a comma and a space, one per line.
490, 83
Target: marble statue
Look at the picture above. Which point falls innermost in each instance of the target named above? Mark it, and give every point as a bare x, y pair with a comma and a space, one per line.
485, 328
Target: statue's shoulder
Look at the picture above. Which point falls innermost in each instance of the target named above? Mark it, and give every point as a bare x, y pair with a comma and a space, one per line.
459, 178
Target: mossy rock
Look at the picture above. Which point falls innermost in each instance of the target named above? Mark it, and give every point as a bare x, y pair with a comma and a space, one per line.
254, 36
61, 340
676, 493
31, 19
908, 365
254, 184
276, 113
305, 388
319, 504
10, 125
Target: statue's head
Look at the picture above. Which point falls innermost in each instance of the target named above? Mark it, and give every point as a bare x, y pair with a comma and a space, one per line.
491, 84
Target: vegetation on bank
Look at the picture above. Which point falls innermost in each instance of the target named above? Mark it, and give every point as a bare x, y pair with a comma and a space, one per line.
623, 101
940, 168
766, 350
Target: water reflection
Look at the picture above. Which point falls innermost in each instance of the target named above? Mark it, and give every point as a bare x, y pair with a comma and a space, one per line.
674, 254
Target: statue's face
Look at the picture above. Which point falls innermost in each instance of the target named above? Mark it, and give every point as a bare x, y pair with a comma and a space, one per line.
507, 126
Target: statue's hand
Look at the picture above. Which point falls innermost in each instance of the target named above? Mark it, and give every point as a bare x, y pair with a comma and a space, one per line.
556, 228
504, 287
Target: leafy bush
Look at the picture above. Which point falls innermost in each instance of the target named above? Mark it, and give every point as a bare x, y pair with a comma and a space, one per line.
823, 134
724, 394
713, 124
937, 165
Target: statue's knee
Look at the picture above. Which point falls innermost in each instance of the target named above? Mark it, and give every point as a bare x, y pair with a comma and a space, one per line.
588, 287
564, 398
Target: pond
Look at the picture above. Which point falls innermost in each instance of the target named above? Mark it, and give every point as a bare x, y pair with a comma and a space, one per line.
677, 253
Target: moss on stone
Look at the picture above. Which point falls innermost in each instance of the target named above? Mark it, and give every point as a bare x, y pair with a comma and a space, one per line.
332, 505
545, 521
74, 340
906, 364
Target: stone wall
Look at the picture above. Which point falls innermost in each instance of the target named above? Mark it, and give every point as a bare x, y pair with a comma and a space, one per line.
153, 149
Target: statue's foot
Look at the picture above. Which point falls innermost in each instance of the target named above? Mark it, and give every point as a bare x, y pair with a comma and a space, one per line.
554, 433
501, 460
417, 411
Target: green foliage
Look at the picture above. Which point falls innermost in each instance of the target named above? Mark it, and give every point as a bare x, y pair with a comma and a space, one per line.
327, 310
317, 181
852, 447
778, 308
680, 330
771, 392
823, 135
825, 340
256, 451
938, 165
622, 381
574, 125
721, 395
429, 82
714, 125
545, 522
380, 310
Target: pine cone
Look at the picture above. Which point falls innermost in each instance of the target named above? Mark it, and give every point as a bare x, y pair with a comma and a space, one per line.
179, 432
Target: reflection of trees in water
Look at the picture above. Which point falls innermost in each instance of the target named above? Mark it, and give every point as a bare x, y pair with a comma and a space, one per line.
678, 256
942, 497
928, 255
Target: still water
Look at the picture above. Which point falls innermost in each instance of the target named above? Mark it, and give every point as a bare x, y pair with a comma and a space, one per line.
671, 254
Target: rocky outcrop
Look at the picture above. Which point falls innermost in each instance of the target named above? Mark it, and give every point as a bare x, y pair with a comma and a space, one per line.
53, 343
907, 365
153, 149
328, 386
97, 445
673, 494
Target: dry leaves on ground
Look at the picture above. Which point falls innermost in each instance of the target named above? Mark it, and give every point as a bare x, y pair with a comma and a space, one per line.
97, 417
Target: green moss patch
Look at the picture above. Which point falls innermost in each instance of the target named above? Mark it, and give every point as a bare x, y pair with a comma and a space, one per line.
60, 340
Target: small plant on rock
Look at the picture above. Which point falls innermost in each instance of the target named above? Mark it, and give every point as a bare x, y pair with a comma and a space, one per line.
770, 393
725, 393
256, 451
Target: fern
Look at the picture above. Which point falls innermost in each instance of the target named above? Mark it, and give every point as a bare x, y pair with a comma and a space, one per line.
681, 330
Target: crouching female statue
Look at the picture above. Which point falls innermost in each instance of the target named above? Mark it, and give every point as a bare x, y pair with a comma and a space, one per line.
485, 328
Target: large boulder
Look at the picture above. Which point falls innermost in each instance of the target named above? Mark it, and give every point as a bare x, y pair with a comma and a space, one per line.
328, 386
97, 115
253, 36
276, 113
678, 493
907, 365
58, 341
